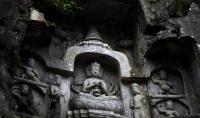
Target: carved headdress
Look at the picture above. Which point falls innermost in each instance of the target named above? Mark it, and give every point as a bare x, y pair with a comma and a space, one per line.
91, 68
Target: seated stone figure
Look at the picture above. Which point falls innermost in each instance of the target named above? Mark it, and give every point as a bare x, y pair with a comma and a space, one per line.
94, 85
168, 110
94, 94
165, 85
30, 71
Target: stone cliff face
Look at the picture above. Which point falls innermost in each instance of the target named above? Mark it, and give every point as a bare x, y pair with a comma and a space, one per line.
99, 58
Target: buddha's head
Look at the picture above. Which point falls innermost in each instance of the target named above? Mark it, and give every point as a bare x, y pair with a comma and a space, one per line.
31, 62
163, 74
94, 70
136, 89
25, 89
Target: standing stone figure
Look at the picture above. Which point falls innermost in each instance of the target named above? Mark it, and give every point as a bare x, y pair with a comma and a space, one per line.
139, 102
54, 94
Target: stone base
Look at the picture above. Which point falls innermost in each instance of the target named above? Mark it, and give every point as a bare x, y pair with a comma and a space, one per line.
93, 114
106, 103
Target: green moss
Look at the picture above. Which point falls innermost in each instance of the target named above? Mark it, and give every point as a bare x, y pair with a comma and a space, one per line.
18, 117
182, 6
68, 6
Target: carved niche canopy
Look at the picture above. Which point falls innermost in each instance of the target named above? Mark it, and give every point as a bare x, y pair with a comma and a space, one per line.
97, 71
94, 44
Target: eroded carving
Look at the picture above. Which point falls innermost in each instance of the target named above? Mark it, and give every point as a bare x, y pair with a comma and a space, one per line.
139, 103
55, 94
24, 99
30, 71
167, 99
28, 91
167, 109
93, 85
161, 80
94, 93
36, 48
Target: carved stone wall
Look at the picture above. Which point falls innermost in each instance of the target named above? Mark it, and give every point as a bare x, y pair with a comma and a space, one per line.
100, 58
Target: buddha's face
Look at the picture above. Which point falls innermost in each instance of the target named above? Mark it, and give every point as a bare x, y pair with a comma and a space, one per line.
31, 62
25, 89
163, 75
95, 70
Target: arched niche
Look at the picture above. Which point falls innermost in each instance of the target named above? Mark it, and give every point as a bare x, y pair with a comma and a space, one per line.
173, 49
167, 93
100, 91
173, 75
110, 70
170, 52
175, 55
120, 58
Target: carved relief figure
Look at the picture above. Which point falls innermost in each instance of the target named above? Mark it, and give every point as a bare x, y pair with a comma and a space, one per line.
28, 92
94, 93
94, 85
24, 101
54, 94
167, 100
161, 80
54, 90
30, 71
31, 76
139, 102
168, 109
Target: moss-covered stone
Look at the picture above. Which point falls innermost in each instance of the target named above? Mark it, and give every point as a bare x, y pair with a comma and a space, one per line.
68, 6
182, 6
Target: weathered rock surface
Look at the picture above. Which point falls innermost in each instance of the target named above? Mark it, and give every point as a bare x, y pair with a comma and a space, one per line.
99, 58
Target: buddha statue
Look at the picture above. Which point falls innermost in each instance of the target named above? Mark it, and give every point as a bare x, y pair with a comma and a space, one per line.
94, 85
94, 93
